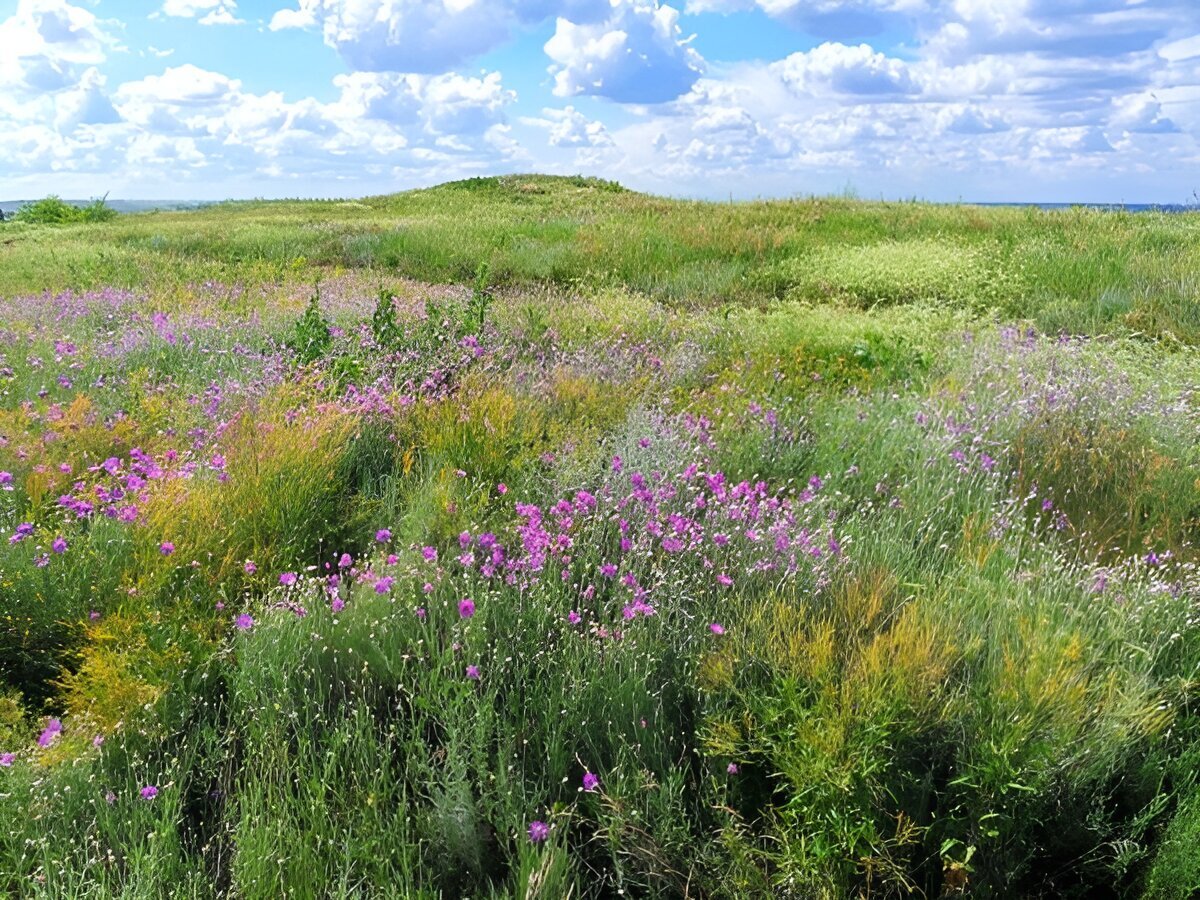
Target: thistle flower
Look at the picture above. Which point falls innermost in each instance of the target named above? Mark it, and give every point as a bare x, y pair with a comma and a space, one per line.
466, 608
59, 545
244, 622
383, 535
473, 672
287, 579
166, 548
716, 628
538, 831
6, 759
149, 792
591, 782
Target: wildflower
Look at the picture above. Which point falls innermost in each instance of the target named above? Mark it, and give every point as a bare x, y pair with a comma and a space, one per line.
383, 535
732, 768
166, 548
244, 622
421, 613
59, 545
430, 553
149, 792
473, 672
724, 580
502, 489
98, 740
287, 579
716, 628
338, 604
538, 831
52, 730
93, 615
466, 608
345, 561
573, 617
110, 798
250, 567
6, 759
6, 481
42, 561
590, 782
384, 584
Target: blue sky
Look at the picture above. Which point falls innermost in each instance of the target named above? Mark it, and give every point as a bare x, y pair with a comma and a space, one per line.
987, 100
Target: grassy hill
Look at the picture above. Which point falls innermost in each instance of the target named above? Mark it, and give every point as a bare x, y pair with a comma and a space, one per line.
529, 537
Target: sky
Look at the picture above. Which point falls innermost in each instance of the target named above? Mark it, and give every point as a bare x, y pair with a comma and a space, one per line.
944, 100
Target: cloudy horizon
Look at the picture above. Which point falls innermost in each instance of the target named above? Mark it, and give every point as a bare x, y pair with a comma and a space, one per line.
981, 100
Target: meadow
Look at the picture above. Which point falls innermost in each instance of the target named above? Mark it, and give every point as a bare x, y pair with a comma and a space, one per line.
531, 537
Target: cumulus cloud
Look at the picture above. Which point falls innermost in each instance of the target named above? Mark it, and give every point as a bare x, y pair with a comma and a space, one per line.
567, 127
216, 12
837, 68
636, 55
48, 44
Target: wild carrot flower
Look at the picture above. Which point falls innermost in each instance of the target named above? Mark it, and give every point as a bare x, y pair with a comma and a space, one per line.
538, 831
149, 792
466, 607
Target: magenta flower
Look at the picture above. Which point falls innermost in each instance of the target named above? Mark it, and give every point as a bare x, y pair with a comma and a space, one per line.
538, 831
590, 782
287, 579
98, 740
244, 622
383, 535
466, 607
574, 618
430, 553
732, 768
345, 561
421, 613
473, 672
250, 567
724, 580
6, 480
338, 604
149, 792
384, 584
94, 615
502, 488
52, 730
166, 548
6, 759
716, 628
59, 545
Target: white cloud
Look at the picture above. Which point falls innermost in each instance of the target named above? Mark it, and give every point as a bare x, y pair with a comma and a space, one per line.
217, 12
47, 44
568, 127
637, 55
836, 68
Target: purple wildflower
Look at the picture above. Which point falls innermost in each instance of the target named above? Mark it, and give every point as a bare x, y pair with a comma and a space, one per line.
466, 607
149, 792
287, 579
6, 759
538, 831
166, 548
473, 672
59, 545
383, 535
52, 730
716, 628
590, 781
244, 622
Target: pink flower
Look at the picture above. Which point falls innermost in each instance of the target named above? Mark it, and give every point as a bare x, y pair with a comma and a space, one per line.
716, 628
573, 617
338, 604
287, 579
383, 535
590, 782
732, 768
502, 488
149, 792
538, 831
466, 608
6, 759
244, 622
473, 672
250, 567
166, 548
